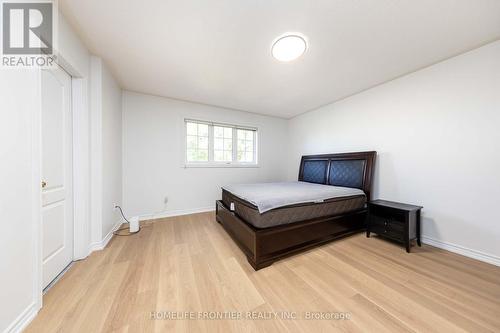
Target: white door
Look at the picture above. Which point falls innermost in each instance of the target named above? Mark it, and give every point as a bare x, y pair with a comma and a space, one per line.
57, 178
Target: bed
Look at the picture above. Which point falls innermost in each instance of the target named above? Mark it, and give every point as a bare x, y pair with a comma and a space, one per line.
273, 220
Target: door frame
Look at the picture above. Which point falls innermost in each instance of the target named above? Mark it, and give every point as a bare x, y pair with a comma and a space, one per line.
81, 173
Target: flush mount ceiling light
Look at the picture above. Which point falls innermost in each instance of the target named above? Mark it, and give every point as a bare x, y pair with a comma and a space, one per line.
289, 47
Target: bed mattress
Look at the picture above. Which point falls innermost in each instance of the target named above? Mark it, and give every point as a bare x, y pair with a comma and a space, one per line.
345, 201
267, 196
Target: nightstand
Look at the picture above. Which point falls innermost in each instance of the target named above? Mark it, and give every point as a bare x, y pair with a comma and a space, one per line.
397, 221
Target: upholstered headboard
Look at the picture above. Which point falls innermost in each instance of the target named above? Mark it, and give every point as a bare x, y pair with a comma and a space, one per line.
344, 169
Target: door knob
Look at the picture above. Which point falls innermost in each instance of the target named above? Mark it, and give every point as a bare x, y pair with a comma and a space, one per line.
44, 183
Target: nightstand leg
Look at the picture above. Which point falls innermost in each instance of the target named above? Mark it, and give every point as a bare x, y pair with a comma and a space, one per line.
407, 243
418, 228
367, 234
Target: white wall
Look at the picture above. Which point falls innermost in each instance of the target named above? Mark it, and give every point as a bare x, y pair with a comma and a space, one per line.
438, 138
71, 48
96, 156
19, 107
106, 151
111, 150
153, 155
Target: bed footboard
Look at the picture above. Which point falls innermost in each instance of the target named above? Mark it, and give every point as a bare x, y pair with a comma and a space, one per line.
262, 247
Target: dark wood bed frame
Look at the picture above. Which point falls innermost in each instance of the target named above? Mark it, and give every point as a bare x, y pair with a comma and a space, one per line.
265, 246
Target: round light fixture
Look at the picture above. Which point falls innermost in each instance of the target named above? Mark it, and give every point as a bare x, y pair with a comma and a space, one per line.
289, 47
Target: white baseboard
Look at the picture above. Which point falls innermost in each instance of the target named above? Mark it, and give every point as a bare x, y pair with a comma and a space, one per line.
177, 212
23, 320
98, 246
462, 250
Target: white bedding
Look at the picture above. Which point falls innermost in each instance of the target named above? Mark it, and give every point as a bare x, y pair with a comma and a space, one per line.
267, 196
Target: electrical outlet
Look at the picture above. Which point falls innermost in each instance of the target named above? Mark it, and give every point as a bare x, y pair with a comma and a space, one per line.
115, 206
165, 200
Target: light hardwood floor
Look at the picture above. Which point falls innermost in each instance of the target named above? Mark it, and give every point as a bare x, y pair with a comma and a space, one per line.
189, 263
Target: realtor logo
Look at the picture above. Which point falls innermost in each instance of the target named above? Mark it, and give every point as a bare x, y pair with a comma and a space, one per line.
28, 34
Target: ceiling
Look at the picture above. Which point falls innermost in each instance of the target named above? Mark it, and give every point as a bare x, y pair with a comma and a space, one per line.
218, 52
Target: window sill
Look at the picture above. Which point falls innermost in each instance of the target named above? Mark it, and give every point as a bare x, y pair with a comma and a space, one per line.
216, 165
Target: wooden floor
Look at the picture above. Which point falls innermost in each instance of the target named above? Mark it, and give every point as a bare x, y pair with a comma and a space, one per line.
189, 263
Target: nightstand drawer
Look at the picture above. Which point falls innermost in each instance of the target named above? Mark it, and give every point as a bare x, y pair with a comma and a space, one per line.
387, 232
386, 223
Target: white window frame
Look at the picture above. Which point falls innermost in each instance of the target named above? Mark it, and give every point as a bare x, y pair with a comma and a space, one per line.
214, 164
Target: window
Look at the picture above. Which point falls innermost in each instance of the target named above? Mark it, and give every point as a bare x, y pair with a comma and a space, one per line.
223, 144
197, 142
213, 144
